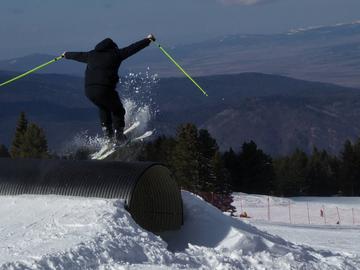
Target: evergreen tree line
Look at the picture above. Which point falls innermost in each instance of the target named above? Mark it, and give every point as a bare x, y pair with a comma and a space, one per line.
198, 165
319, 174
196, 162
194, 158
29, 141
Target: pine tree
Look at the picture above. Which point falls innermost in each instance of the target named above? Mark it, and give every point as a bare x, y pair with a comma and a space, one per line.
291, 174
34, 144
222, 175
21, 128
320, 176
256, 169
186, 157
4, 151
208, 148
207, 144
159, 150
356, 183
350, 169
231, 163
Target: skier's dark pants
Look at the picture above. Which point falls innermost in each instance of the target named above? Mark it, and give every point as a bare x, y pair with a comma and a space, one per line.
111, 110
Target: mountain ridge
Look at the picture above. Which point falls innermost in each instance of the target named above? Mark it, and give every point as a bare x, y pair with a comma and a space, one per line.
328, 54
277, 112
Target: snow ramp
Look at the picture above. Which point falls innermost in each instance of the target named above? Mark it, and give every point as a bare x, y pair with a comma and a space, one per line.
73, 233
149, 192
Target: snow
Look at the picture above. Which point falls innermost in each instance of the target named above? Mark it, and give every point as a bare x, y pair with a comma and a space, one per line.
310, 28
139, 106
303, 210
343, 237
53, 232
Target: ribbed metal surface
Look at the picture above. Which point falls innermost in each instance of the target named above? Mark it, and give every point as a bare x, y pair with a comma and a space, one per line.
150, 193
160, 213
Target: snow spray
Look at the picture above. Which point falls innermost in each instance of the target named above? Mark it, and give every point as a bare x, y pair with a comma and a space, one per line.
138, 101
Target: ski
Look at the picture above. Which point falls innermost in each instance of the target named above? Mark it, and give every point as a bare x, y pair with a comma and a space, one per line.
113, 150
145, 135
132, 127
109, 145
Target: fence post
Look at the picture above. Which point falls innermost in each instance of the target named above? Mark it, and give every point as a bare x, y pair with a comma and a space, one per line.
353, 216
241, 205
268, 208
324, 214
337, 210
290, 212
308, 212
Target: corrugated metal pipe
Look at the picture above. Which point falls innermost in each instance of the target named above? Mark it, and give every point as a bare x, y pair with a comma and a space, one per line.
150, 193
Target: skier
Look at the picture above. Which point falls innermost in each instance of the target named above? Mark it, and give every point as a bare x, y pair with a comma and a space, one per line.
101, 77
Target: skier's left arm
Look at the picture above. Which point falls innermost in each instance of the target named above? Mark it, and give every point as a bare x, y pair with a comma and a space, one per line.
77, 56
136, 47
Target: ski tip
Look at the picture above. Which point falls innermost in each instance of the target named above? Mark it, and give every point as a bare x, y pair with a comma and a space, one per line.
148, 133
132, 127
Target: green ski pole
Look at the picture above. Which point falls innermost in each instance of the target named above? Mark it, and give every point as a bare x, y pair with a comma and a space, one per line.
31, 71
179, 67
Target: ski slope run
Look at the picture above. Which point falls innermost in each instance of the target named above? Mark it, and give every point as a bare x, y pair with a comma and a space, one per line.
299, 219
53, 232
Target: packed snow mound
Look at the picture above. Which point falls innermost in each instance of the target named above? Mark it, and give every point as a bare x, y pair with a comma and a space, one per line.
53, 232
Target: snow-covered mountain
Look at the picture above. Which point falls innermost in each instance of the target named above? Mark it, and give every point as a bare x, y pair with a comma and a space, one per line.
54, 232
321, 53
340, 28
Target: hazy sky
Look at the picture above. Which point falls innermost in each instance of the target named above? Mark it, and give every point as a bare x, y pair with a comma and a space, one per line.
49, 26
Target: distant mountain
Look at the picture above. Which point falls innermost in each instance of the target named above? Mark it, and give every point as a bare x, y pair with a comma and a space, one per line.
30, 61
277, 112
325, 53
66, 67
328, 54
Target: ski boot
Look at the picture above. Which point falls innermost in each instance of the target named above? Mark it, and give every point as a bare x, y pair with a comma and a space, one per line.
108, 133
119, 137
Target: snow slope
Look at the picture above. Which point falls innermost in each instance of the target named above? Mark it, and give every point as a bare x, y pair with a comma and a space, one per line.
78, 233
343, 209
343, 237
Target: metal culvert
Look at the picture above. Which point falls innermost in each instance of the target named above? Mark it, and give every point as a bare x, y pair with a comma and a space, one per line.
150, 193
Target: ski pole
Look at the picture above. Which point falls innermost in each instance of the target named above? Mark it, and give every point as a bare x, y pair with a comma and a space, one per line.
179, 67
31, 71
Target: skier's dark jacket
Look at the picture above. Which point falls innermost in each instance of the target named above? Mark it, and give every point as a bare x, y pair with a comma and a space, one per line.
104, 61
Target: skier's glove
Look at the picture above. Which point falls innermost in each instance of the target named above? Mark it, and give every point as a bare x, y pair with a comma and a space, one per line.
151, 37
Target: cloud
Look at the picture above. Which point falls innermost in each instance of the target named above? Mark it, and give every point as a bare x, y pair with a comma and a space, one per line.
245, 2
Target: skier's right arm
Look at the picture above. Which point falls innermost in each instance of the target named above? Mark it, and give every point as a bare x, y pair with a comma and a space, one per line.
134, 48
77, 56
